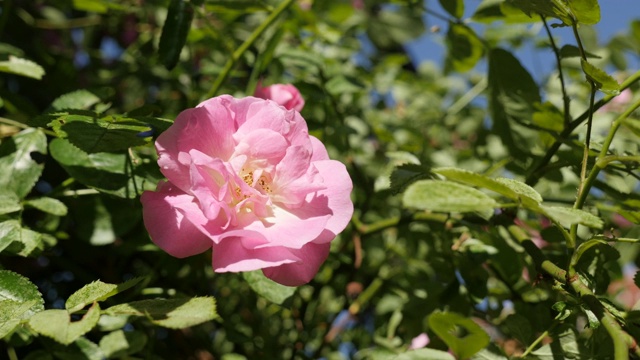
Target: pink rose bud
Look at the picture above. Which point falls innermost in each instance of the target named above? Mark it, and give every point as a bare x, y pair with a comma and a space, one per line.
419, 341
245, 178
284, 94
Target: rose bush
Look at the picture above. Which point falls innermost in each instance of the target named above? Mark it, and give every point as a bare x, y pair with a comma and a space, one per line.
245, 178
286, 95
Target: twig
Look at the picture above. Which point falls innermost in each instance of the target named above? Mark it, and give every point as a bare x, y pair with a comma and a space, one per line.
245, 46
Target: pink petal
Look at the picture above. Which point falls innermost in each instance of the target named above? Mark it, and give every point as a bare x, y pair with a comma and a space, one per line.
167, 226
301, 272
231, 255
338, 192
319, 150
263, 146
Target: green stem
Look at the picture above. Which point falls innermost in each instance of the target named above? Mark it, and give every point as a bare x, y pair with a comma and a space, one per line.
365, 296
622, 341
539, 169
539, 339
245, 46
24, 126
565, 96
368, 229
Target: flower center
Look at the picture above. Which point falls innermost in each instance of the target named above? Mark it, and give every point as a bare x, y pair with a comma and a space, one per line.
263, 181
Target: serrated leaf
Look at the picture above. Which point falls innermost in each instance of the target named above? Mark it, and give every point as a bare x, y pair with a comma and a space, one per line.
268, 288
569, 216
513, 189
97, 291
23, 67
118, 343
12, 313
583, 247
49, 205
603, 81
564, 346
406, 174
425, 353
445, 324
549, 8
453, 7
81, 349
464, 48
18, 289
57, 324
174, 32
171, 313
106, 172
445, 196
24, 242
77, 100
93, 133
21, 161
9, 232
9, 202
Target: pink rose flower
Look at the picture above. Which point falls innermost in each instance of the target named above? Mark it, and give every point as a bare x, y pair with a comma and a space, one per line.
245, 178
284, 94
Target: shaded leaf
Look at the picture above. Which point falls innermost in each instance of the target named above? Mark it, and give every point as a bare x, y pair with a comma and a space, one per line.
9, 232
569, 51
171, 313
23, 67
425, 353
550, 8
453, 7
586, 11
406, 174
174, 32
268, 288
464, 48
19, 300
447, 325
79, 99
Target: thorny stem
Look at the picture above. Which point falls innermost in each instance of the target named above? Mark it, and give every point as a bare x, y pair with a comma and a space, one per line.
539, 169
622, 341
245, 46
565, 96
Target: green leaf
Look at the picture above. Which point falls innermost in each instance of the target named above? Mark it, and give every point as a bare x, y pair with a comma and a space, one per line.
520, 328
96, 291
485, 354
583, 247
564, 346
174, 32
21, 161
513, 95
106, 172
19, 300
268, 288
342, 84
569, 51
92, 133
453, 7
25, 242
586, 11
171, 313
81, 349
394, 26
77, 100
569, 216
425, 353
550, 8
603, 81
406, 174
119, 344
49, 205
445, 196
464, 48
463, 336
513, 189
96, 6
57, 324
9, 232
23, 67
9, 202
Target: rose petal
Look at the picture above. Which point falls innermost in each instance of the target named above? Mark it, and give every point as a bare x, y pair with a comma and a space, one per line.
168, 227
231, 255
337, 190
311, 256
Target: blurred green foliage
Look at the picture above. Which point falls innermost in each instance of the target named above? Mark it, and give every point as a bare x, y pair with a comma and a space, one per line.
498, 260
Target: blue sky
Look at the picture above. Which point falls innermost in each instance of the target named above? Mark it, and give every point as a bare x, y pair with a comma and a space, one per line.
616, 16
